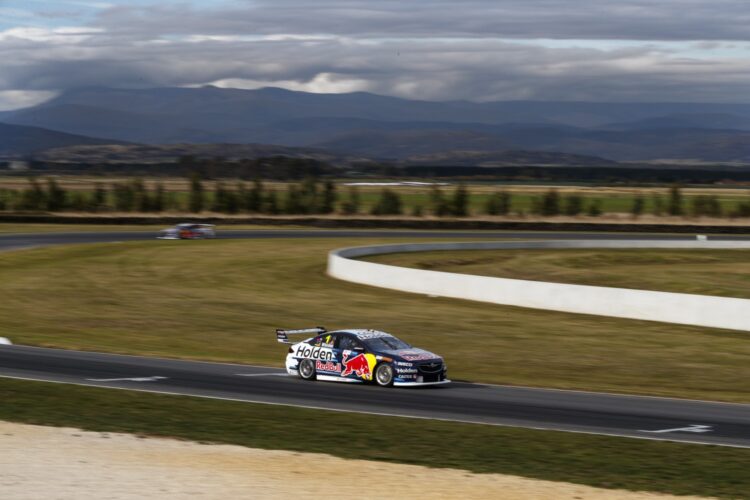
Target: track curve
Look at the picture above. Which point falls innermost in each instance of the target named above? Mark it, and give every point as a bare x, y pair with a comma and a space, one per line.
649, 305
632, 416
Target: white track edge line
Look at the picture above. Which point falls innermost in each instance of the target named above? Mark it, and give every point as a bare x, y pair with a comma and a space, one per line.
384, 414
504, 386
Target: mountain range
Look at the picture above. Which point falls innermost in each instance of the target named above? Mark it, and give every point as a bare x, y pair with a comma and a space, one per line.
18, 140
368, 125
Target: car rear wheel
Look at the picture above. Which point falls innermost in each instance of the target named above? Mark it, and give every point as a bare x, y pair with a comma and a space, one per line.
384, 375
307, 369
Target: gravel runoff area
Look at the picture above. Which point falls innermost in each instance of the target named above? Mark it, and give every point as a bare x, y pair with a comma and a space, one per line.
64, 463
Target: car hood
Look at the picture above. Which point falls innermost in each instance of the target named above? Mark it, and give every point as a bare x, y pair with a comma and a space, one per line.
412, 354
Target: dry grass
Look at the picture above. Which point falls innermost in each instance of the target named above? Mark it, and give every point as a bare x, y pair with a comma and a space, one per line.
705, 272
221, 300
602, 461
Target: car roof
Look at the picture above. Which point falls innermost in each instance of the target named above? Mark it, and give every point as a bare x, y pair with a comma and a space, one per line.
364, 334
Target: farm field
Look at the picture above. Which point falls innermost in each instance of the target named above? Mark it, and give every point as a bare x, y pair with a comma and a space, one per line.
416, 199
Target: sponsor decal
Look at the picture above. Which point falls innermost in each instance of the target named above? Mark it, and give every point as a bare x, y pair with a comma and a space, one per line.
402, 363
370, 334
328, 366
406, 370
362, 365
309, 352
418, 357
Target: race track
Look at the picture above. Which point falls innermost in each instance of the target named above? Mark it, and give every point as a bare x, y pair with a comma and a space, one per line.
632, 416
20, 240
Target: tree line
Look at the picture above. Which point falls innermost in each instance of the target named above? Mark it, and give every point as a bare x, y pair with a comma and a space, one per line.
312, 196
285, 168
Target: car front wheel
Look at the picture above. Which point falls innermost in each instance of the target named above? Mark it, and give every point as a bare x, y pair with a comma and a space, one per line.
307, 369
384, 375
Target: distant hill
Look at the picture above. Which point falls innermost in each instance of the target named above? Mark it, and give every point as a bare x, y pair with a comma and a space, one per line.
144, 154
168, 153
17, 140
619, 145
402, 144
723, 121
131, 126
506, 158
364, 124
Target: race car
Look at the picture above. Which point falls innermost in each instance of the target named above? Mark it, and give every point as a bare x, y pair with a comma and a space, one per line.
364, 356
188, 231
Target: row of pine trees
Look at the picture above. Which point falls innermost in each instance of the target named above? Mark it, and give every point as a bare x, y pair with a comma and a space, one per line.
312, 196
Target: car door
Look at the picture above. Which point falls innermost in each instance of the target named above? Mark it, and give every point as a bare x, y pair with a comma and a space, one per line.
355, 362
325, 355
343, 349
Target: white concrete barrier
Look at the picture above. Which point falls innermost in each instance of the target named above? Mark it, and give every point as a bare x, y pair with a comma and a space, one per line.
681, 308
4, 341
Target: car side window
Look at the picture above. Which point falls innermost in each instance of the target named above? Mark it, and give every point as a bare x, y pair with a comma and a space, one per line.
349, 343
325, 340
345, 343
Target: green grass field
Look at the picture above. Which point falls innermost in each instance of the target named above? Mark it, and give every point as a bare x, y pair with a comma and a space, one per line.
522, 201
222, 299
707, 272
612, 199
593, 460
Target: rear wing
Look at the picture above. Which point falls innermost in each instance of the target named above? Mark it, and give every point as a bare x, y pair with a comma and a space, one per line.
283, 335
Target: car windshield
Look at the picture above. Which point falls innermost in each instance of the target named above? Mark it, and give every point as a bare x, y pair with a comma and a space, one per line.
386, 344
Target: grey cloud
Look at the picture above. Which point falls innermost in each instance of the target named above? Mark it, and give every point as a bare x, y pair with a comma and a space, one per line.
431, 50
560, 19
475, 70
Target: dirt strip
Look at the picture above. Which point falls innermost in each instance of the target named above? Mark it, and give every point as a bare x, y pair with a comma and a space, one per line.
62, 463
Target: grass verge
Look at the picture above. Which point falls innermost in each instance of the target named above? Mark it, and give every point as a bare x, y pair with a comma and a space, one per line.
706, 272
601, 461
222, 299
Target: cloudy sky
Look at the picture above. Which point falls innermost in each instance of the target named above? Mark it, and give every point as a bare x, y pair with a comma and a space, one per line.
595, 50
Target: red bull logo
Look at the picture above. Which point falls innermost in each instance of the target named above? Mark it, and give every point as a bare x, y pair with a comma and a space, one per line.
327, 366
362, 365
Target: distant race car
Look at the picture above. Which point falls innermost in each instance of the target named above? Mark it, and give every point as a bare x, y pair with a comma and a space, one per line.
361, 356
188, 231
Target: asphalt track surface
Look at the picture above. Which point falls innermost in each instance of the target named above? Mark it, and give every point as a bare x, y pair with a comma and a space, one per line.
632, 416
